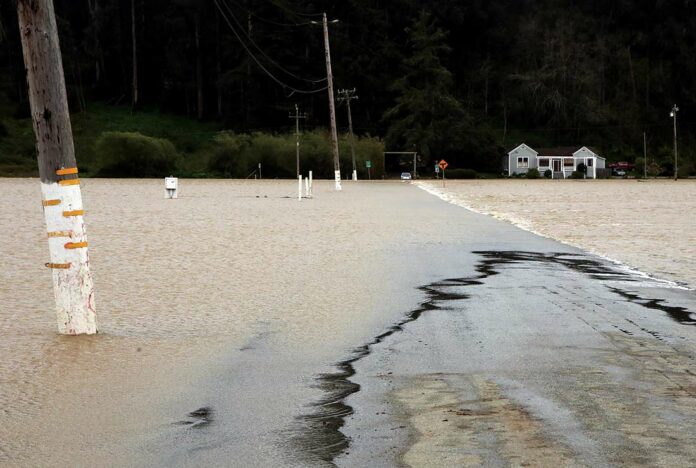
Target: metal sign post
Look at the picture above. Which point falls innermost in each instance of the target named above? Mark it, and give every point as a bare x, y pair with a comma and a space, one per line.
443, 165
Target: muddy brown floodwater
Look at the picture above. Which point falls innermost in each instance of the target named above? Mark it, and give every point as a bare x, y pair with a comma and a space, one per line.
648, 225
181, 286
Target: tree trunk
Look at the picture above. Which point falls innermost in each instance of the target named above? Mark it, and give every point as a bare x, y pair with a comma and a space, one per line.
505, 119
647, 85
199, 68
632, 74
93, 6
485, 96
134, 101
62, 199
218, 65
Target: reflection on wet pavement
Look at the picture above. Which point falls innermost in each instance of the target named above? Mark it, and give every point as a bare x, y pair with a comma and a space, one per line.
322, 436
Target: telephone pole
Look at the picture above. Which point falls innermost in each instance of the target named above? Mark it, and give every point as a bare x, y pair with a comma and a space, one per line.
60, 186
297, 116
332, 107
673, 114
347, 95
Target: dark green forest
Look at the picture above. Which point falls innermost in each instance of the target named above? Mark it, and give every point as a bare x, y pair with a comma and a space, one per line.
460, 80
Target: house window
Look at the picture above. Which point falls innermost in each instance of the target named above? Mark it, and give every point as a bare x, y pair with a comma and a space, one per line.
589, 163
543, 162
568, 162
522, 162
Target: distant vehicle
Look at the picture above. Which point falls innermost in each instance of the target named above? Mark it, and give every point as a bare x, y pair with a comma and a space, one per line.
405, 176
620, 168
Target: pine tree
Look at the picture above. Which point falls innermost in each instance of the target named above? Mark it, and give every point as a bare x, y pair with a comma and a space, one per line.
427, 116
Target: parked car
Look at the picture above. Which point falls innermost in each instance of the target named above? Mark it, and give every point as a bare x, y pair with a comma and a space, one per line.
405, 176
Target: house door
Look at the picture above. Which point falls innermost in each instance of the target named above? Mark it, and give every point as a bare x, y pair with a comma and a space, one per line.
556, 165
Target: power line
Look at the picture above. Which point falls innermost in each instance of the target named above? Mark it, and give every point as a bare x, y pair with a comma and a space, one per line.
288, 10
258, 62
265, 20
251, 41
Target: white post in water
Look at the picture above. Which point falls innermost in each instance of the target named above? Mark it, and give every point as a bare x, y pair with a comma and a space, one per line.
60, 186
299, 187
171, 187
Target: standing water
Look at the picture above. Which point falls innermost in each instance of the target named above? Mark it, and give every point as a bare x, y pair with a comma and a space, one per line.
647, 225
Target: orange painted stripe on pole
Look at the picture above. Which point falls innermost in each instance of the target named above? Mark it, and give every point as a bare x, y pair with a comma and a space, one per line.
68, 214
67, 171
69, 182
60, 234
76, 245
58, 266
50, 202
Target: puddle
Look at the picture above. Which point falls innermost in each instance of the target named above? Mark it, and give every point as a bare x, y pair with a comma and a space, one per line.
197, 418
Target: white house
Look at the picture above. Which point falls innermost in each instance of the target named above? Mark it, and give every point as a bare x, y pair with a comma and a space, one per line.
560, 161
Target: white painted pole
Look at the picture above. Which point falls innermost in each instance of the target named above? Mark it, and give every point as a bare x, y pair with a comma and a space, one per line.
299, 187
67, 244
311, 185
306, 187
355, 175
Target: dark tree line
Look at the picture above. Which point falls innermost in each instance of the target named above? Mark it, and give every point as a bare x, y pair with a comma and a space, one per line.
460, 80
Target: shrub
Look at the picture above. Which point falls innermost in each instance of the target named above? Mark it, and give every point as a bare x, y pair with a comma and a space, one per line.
533, 173
685, 169
126, 154
577, 175
582, 168
237, 155
548, 174
226, 154
461, 174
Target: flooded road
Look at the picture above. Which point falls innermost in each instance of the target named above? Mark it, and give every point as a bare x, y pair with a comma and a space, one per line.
240, 327
649, 225
233, 298
534, 359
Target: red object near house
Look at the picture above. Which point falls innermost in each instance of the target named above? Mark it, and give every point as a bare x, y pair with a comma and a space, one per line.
622, 165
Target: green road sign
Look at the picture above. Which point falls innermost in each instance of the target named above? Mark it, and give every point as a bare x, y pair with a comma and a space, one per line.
368, 164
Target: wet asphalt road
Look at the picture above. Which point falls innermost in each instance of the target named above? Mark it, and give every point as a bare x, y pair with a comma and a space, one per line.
501, 348
540, 357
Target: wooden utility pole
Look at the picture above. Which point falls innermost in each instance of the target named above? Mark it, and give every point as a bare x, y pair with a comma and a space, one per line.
297, 118
347, 95
673, 114
60, 186
332, 107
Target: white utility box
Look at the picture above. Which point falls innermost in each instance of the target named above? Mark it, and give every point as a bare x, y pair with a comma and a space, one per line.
171, 187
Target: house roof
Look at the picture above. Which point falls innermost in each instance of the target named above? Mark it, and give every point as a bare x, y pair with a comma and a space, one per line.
521, 145
568, 151
558, 151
